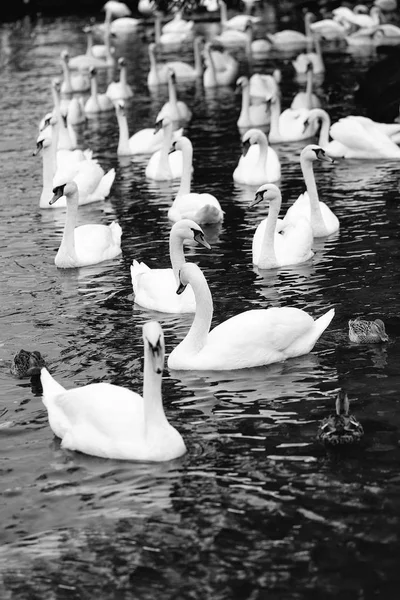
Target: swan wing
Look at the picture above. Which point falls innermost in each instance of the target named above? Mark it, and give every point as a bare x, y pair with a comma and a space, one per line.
293, 245
365, 140
201, 208
155, 289
96, 243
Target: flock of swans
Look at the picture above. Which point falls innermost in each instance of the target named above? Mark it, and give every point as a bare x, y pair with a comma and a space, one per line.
109, 421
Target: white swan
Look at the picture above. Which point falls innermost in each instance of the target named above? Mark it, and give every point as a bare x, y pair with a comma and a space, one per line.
171, 39
360, 20
145, 141
290, 38
249, 339
67, 138
233, 38
109, 421
155, 289
85, 61
202, 208
163, 166
289, 246
307, 99
76, 111
259, 163
238, 22
96, 102
221, 68
300, 64
123, 24
329, 29
263, 85
322, 219
178, 24
72, 82
158, 73
175, 109
251, 115
87, 244
290, 125
120, 90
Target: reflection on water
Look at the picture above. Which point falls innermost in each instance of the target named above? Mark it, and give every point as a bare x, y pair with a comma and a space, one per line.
256, 505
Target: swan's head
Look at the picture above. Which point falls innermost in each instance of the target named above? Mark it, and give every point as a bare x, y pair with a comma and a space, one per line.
252, 136
183, 143
87, 29
313, 152
120, 107
121, 62
188, 230
56, 83
161, 123
269, 192
313, 115
171, 75
68, 190
153, 339
187, 274
65, 55
43, 141
241, 82
48, 119
92, 71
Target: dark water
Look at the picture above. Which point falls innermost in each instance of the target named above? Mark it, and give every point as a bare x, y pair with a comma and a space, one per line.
255, 509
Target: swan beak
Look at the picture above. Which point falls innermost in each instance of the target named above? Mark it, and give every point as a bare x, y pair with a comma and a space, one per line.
157, 354
245, 147
181, 288
64, 118
322, 155
158, 126
306, 124
39, 147
58, 192
257, 198
200, 239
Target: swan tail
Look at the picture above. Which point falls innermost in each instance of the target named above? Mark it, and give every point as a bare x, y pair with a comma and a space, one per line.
137, 269
50, 386
116, 232
104, 187
323, 322
88, 154
209, 214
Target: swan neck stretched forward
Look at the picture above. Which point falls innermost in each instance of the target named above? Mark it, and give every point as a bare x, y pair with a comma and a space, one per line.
317, 222
187, 159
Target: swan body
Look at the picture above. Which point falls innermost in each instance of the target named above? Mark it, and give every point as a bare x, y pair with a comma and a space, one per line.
175, 109
109, 421
259, 163
238, 22
302, 61
120, 90
342, 428
251, 115
155, 289
367, 332
87, 244
202, 208
289, 125
163, 166
289, 38
72, 82
159, 72
329, 29
250, 339
232, 38
145, 141
262, 85
290, 245
178, 24
76, 111
85, 61
307, 99
170, 38
360, 20
221, 68
322, 219
97, 103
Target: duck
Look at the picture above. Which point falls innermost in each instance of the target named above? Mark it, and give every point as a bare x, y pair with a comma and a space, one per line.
175, 109
72, 82
251, 115
159, 72
323, 221
302, 61
120, 90
259, 162
342, 428
202, 208
109, 421
221, 68
25, 363
155, 289
97, 103
290, 125
307, 99
249, 339
289, 38
144, 141
163, 166
290, 246
367, 332
238, 22
88, 244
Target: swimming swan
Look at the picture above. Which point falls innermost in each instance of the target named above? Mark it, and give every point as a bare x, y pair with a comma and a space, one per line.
221, 68
290, 125
145, 141
120, 90
163, 166
238, 22
307, 99
175, 109
259, 162
155, 289
300, 64
250, 339
170, 38
322, 219
251, 115
158, 73
96, 102
290, 38
87, 244
72, 82
110, 421
202, 208
290, 245
178, 24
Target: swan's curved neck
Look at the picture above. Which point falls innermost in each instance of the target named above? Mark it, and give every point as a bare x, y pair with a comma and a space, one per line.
55, 128
152, 399
223, 13
67, 246
211, 68
263, 152
245, 109
309, 88
123, 140
274, 131
67, 77
164, 150
176, 253
153, 61
267, 257
325, 126
317, 222
187, 159
157, 28
93, 92
123, 77
198, 65
89, 44
196, 337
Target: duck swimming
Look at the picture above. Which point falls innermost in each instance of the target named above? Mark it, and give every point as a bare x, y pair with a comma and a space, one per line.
367, 332
342, 428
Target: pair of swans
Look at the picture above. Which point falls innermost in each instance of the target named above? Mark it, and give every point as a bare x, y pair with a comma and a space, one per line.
259, 163
163, 166
249, 339
357, 137
202, 208
221, 68
307, 99
155, 289
120, 90
173, 34
159, 72
175, 109
291, 124
72, 82
109, 421
251, 114
145, 141
88, 244
302, 61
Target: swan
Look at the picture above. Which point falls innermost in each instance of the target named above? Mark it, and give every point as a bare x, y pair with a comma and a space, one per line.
67, 138
158, 73
178, 24
48, 137
146, 7
123, 23
103, 51
360, 20
232, 38
84, 62
386, 34
322, 219
289, 38
171, 39
259, 163
300, 64
221, 68
290, 125
145, 141
250, 339
263, 85
155, 289
238, 22
76, 111
175, 109
306, 99
163, 166
202, 208
289, 246
328, 29
87, 244
110, 421
251, 115
72, 82
120, 90
96, 102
